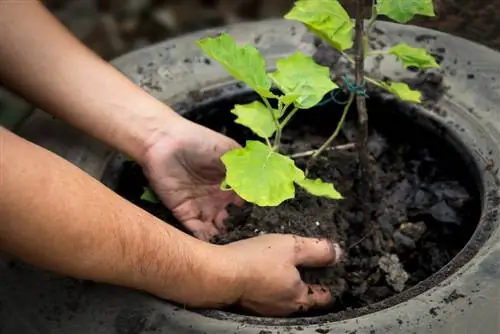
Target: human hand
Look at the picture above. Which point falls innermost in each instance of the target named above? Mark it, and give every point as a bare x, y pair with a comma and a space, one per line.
271, 284
185, 171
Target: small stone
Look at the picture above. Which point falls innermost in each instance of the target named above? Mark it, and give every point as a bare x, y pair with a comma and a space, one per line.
413, 230
444, 213
395, 276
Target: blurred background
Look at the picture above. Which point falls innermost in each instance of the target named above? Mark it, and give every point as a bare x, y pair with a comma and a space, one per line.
114, 27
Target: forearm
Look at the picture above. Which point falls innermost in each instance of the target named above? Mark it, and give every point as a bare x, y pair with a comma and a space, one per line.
43, 62
55, 216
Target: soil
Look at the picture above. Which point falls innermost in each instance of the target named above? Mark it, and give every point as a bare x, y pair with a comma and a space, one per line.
423, 212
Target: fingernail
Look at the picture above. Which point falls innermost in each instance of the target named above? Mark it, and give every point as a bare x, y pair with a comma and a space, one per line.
339, 253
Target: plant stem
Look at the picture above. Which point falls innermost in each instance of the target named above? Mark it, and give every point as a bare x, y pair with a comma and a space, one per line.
377, 52
269, 143
343, 147
373, 18
346, 56
277, 137
362, 138
288, 118
368, 79
334, 135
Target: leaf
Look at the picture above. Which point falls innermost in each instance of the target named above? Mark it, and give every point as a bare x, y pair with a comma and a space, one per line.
327, 19
257, 117
289, 98
403, 91
149, 196
320, 188
245, 63
403, 11
300, 75
261, 176
413, 57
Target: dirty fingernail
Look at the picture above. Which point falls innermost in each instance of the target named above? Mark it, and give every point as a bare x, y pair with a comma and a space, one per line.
339, 253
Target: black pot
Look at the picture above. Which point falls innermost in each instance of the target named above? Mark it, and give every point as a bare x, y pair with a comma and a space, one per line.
460, 298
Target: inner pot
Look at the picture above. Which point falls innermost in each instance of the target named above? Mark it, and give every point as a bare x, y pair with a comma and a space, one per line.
425, 210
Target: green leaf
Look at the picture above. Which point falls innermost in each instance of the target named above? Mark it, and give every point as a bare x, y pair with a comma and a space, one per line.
403, 11
327, 19
300, 75
320, 188
261, 176
289, 98
257, 117
245, 63
413, 57
403, 91
149, 196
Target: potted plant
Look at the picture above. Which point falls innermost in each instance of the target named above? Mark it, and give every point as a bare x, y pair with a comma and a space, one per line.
386, 210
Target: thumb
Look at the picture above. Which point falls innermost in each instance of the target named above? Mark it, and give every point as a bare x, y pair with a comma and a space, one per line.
312, 252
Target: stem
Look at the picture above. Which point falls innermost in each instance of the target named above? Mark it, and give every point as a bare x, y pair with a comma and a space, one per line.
377, 52
269, 143
362, 138
343, 147
373, 18
288, 118
334, 135
374, 81
346, 56
277, 137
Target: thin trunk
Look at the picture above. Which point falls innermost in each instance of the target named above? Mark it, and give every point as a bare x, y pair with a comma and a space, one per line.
361, 141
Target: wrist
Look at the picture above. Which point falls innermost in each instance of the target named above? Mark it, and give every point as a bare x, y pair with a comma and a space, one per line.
189, 271
220, 280
160, 123
226, 277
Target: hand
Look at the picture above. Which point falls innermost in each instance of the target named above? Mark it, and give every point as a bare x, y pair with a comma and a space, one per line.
272, 285
185, 171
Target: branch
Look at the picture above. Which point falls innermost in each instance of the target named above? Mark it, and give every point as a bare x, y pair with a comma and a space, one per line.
362, 138
277, 138
343, 147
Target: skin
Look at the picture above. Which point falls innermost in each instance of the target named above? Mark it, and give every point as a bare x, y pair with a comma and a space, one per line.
109, 239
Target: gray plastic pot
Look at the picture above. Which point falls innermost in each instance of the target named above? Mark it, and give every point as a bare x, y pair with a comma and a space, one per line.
461, 298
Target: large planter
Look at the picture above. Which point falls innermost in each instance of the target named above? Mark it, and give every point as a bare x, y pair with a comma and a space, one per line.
461, 297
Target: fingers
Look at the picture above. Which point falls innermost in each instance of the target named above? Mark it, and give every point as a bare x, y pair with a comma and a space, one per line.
314, 297
311, 252
221, 217
201, 230
219, 221
319, 296
237, 200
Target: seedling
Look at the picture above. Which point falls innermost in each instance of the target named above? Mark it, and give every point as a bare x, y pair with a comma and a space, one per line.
258, 172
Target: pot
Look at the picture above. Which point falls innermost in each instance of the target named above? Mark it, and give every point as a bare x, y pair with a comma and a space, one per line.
457, 299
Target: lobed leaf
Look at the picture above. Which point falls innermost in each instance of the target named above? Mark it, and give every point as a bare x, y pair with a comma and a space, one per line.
300, 77
149, 196
319, 188
256, 117
403, 11
259, 175
327, 19
403, 91
245, 63
413, 57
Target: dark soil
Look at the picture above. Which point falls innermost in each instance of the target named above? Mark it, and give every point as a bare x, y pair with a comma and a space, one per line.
424, 212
